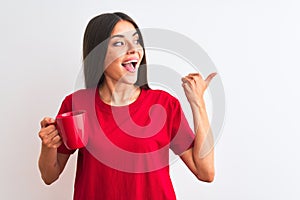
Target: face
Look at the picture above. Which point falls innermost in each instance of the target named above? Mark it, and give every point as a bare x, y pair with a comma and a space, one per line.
124, 54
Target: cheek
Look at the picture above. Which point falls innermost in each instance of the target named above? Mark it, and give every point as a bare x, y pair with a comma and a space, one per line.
111, 61
112, 57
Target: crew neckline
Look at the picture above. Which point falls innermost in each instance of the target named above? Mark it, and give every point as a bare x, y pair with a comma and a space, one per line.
106, 107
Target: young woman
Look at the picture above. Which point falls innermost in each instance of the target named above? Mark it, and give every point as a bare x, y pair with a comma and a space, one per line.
117, 89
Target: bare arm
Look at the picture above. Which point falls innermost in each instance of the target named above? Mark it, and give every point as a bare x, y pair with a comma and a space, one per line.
200, 158
51, 163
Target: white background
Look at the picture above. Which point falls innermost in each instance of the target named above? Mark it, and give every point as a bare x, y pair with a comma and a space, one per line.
254, 44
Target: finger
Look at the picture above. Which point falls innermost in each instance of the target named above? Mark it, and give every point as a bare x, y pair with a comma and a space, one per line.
51, 144
56, 145
186, 87
210, 77
184, 79
192, 79
43, 133
46, 132
188, 80
189, 77
51, 139
46, 121
53, 134
194, 74
56, 139
49, 129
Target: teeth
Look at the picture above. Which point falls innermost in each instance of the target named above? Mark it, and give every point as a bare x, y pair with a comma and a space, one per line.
130, 61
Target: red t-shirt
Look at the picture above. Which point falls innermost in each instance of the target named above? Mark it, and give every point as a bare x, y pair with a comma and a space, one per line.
127, 154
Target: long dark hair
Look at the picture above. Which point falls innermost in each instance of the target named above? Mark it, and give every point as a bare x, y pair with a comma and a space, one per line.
97, 32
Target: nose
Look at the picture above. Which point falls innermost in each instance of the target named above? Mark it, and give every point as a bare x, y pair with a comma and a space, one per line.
131, 48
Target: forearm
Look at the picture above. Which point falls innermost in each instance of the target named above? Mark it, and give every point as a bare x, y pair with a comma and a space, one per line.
49, 165
203, 150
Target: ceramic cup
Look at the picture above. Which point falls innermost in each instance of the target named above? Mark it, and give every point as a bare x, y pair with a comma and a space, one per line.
72, 127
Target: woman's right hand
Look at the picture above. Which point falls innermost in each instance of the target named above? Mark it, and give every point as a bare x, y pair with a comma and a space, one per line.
49, 134
51, 163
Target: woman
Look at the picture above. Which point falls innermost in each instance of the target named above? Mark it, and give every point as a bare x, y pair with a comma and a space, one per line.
115, 72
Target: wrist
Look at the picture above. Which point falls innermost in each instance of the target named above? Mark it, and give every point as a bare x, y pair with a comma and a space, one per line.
199, 104
48, 150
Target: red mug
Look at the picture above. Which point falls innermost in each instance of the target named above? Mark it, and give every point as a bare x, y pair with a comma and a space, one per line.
72, 127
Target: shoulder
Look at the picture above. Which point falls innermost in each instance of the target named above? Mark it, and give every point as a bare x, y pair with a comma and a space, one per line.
79, 95
81, 92
78, 99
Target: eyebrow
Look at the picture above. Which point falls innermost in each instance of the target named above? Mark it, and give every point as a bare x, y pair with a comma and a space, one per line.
122, 36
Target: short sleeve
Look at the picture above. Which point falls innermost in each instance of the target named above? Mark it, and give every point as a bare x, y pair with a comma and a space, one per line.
182, 134
66, 106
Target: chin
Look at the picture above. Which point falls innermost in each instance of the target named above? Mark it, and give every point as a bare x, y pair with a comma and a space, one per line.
129, 79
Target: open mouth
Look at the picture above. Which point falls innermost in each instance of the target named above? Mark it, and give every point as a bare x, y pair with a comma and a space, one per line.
130, 65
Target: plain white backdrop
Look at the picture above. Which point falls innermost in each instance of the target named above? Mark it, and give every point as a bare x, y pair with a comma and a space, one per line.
254, 44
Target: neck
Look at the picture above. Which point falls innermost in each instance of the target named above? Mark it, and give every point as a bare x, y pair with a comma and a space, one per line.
118, 94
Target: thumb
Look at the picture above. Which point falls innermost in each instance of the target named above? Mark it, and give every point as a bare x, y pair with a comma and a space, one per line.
210, 77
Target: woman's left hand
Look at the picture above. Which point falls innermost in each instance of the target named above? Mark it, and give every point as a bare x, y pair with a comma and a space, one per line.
194, 86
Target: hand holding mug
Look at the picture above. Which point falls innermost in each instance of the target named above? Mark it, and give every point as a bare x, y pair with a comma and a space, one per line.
70, 128
49, 134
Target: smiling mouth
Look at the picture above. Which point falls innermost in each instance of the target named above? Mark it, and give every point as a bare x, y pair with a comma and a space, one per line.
130, 66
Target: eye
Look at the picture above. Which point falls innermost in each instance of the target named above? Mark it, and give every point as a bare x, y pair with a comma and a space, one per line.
118, 43
137, 41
